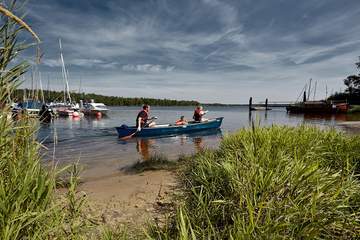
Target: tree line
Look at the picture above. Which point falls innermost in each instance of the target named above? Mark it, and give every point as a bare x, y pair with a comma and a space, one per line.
53, 96
352, 91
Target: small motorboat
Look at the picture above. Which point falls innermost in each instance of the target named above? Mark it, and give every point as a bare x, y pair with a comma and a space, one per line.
169, 129
64, 109
94, 108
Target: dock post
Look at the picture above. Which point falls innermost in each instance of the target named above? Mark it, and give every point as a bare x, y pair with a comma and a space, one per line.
250, 104
266, 104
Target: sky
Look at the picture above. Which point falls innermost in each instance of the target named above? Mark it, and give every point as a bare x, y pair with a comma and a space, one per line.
220, 51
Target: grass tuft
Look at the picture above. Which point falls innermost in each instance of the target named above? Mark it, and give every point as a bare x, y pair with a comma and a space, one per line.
154, 163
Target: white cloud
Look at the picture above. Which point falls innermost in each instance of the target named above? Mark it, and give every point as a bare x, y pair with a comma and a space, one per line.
80, 62
149, 68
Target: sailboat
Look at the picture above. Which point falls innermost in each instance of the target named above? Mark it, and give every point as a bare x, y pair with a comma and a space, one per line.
316, 106
66, 108
30, 104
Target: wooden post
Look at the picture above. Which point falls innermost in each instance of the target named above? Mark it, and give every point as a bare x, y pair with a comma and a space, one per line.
304, 98
266, 104
250, 104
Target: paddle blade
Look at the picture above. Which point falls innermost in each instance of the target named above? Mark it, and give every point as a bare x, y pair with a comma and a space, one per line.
128, 137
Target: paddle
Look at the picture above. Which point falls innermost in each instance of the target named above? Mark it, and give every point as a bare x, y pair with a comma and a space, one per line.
131, 135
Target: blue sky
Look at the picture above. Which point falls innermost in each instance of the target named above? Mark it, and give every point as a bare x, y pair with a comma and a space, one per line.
207, 50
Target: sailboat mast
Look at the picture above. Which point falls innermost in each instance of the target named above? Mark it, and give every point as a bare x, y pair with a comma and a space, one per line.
65, 77
41, 89
32, 83
309, 90
326, 92
315, 90
67, 86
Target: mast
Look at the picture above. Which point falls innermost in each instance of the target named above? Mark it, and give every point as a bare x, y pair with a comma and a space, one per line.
315, 90
67, 85
32, 82
48, 87
36, 77
65, 76
41, 89
309, 90
24, 96
326, 91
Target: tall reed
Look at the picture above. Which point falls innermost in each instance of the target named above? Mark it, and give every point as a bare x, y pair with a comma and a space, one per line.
29, 208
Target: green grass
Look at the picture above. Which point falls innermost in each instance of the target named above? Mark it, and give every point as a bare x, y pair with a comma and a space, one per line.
154, 163
354, 109
29, 205
271, 183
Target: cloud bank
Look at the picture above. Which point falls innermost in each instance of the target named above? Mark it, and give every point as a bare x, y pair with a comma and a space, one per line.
206, 50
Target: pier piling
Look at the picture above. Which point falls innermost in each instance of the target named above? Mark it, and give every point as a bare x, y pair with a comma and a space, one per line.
250, 104
266, 104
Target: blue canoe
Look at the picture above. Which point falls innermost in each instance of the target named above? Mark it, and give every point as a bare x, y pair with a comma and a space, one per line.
162, 130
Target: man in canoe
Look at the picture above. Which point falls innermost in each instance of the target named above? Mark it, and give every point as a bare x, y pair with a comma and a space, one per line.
199, 113
142, 119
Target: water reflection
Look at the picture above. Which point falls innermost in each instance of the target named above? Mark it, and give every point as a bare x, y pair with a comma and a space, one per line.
328, 118
143, 147
198, 143
147, 147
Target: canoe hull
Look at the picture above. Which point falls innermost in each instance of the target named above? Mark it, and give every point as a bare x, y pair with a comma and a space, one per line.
124, 131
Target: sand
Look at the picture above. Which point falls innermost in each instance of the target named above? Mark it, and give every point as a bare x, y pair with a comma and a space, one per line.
350, 127
131, 199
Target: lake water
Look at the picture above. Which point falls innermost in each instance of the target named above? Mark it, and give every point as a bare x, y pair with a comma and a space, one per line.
95, 144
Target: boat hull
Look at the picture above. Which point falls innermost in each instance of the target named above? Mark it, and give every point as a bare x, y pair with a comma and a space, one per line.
95, 112
317, 107
125, 131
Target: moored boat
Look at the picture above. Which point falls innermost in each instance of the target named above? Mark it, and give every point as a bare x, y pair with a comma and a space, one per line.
31, 107
317, 107
169, 129
94, 108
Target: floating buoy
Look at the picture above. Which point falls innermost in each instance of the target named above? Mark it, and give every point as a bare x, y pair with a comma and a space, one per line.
76, 114
98, 114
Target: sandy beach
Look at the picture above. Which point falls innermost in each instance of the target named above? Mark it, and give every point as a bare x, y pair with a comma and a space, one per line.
350, 127
130, 199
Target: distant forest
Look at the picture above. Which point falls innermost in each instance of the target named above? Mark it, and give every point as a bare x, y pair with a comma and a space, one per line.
51, 96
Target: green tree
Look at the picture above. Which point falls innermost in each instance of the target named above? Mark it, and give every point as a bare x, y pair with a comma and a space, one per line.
352, 82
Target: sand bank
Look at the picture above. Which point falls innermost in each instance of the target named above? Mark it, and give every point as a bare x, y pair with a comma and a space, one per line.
131, 199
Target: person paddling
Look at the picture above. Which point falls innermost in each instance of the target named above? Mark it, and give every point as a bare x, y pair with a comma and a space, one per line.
181, 121
142, 119
199, 113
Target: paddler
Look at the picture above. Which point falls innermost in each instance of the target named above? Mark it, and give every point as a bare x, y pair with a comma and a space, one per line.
199, 113
142, 119
181, 121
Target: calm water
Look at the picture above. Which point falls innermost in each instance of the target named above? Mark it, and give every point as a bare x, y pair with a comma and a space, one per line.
94, 141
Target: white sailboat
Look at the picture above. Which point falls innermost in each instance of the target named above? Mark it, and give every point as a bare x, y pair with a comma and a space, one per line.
65, 108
